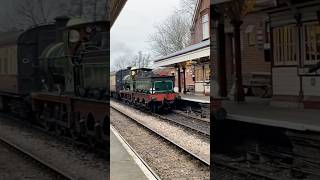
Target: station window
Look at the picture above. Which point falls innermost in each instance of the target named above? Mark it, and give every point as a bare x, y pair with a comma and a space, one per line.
205, 26
311, 43
251, 35
207, 72
284, 45
199, 74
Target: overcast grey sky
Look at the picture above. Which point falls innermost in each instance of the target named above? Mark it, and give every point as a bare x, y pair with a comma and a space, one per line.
135, 23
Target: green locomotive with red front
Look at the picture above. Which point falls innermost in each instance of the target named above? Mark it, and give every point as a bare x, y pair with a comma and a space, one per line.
143, 88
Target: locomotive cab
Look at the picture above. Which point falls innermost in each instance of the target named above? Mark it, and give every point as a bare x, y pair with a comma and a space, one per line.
162, 86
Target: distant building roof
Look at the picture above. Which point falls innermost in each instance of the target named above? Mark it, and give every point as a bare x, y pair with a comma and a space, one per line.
7, 38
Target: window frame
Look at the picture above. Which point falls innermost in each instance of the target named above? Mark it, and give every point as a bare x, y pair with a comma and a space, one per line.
160, 91
205, 26
315, 44
285, 45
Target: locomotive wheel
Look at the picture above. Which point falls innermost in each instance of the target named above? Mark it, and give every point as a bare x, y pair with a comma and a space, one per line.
82, 92
48, 126
83, 131
154, 107
74, 135
74, 130
92, 142
96, 94
258, 91
59, 130
98, 132
96, 137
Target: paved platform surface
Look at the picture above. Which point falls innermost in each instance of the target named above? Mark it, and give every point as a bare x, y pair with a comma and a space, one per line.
195, 98
259, 111
122, 164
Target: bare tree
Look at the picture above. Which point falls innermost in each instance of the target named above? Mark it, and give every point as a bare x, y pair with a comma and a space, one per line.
22, 14
25, 13
34, 12
188, 7
170, 36
142, 60
122, 62
174, 34
91, 9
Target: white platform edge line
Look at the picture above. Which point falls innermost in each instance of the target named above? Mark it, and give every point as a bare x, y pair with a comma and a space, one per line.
146, 170
195, 100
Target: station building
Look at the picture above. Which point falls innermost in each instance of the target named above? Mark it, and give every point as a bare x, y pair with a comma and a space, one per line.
255, 55
191, 66
296, 54
279, 44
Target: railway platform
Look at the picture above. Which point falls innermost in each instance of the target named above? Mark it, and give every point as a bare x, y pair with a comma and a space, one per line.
195, 98
259, 111
124, 163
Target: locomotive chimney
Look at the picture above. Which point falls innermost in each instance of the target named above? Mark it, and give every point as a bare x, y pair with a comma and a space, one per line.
61, 22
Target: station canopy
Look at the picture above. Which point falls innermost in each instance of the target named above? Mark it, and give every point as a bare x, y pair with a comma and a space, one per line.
195, 51
115, 9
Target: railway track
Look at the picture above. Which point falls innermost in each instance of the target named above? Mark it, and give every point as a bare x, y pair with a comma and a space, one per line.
63, 138
81, 161
167, 160
243, 170
191, 123
59, 173
194, 124
204, 161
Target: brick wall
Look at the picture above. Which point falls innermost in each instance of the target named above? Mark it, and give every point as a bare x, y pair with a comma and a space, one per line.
204, 7
253, 55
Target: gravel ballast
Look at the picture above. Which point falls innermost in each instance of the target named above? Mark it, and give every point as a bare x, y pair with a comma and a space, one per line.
195, 143
166, 160
15, 166
78, 162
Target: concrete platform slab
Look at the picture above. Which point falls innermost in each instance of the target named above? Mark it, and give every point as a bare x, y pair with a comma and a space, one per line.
195, 98
124, 164
259, 111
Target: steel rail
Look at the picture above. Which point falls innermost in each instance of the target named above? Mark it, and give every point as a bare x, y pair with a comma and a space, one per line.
193, 117
162, 117
207, 163
52, 134
51, 167
205, 133
245, 171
